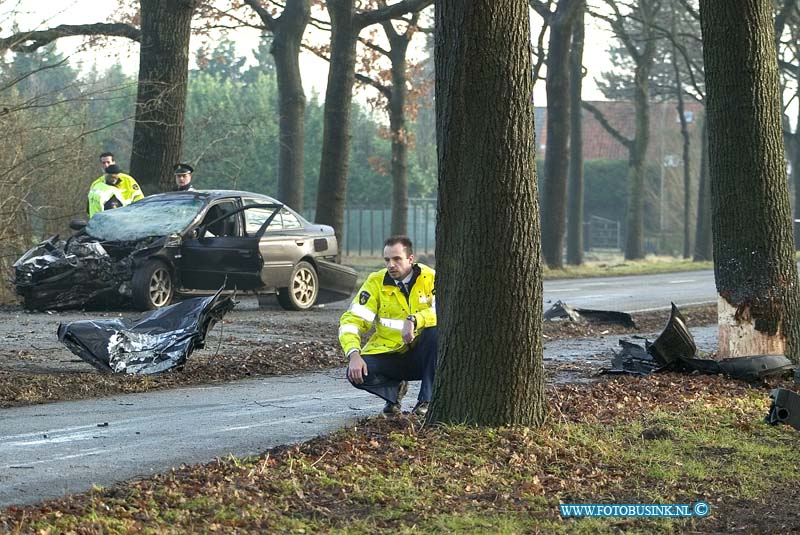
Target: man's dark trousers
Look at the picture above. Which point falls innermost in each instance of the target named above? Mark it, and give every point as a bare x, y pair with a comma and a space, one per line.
386, 370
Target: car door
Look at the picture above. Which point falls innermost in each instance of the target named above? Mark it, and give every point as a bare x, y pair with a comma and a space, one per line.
220, 251
278, 245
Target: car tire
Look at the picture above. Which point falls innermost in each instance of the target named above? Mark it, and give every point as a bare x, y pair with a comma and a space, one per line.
303, 289
153, 286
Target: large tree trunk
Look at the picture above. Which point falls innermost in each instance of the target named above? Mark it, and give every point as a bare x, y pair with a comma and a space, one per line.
288, 35
793, 146
336, 124
634, 240
754, 265
556, 159
399, 131
703, 248
687, 175
490, 346
161, 98
575, 206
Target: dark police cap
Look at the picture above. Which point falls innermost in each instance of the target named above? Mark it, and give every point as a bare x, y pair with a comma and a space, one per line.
183, 168
113, 169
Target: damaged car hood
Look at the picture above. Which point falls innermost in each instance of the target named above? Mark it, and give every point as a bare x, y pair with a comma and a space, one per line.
78, 271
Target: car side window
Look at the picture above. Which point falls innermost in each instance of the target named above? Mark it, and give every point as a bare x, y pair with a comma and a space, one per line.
227, 226
255, 217
290, 220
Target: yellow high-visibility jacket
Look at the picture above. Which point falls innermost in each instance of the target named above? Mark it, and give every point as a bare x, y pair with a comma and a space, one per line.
380, 302
127, 191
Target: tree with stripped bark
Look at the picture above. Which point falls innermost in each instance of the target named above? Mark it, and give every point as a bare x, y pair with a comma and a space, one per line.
754, 264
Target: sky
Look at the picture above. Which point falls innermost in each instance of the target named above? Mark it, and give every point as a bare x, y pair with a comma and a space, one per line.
40, 14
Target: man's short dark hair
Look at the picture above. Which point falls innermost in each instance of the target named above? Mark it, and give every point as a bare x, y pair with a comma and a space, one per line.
107, 154
403, 240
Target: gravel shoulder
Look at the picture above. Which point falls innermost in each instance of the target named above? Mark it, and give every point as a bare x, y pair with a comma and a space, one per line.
250, 342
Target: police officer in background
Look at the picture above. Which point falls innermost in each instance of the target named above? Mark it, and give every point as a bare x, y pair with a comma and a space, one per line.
399, 301
183, 177
112, 190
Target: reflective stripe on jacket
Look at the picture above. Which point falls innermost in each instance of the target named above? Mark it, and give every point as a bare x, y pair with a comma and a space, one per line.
380, 302
127, 191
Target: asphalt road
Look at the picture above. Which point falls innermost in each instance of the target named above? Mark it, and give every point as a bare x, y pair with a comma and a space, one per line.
634, 293
60, 448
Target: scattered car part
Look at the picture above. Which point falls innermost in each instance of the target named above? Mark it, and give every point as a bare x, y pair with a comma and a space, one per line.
756, 367
674, 342
580, 315
634, 359
155, 342
784, 409
675, 350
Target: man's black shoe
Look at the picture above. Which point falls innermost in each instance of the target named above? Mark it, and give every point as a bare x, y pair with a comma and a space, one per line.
393, 409
421, 408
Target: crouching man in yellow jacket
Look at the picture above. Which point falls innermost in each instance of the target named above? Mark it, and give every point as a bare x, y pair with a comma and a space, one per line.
400, 302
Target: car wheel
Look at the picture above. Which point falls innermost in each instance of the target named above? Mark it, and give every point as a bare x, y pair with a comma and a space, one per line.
152, 286
301, 294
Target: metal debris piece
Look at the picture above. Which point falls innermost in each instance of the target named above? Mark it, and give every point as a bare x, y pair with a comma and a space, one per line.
561, 310
155, 342
754, 368
785, 408
674, 342
675, 350
634, 359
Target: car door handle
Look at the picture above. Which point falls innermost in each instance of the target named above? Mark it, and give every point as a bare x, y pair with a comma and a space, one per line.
299, 242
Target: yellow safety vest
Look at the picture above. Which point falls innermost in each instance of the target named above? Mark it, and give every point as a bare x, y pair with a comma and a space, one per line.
127, 191
380, 302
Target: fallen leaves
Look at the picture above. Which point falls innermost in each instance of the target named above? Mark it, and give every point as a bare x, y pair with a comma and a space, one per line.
394, 474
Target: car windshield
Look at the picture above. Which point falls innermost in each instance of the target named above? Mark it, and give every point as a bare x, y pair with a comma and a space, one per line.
151, 216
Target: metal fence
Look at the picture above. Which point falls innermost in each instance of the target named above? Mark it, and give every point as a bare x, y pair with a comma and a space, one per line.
365, 229
602, 233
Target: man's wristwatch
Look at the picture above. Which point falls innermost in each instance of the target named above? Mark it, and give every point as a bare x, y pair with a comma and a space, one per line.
413, 319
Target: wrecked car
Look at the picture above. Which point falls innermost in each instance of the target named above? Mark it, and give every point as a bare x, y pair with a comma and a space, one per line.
184, 243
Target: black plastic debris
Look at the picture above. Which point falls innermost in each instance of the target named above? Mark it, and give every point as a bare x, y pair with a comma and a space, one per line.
155, 342
674, 342
561, 310
785, 408
634, 359
675, 350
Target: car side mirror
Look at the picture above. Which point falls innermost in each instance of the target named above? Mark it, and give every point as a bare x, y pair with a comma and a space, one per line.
196, 233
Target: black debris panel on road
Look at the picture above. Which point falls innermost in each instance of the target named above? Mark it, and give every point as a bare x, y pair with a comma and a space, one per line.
675, 350
561, 310
152, 343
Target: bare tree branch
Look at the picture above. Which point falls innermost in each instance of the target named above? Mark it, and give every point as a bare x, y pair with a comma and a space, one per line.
390, 12
31, 41
616, 134
384, 90
263, 14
